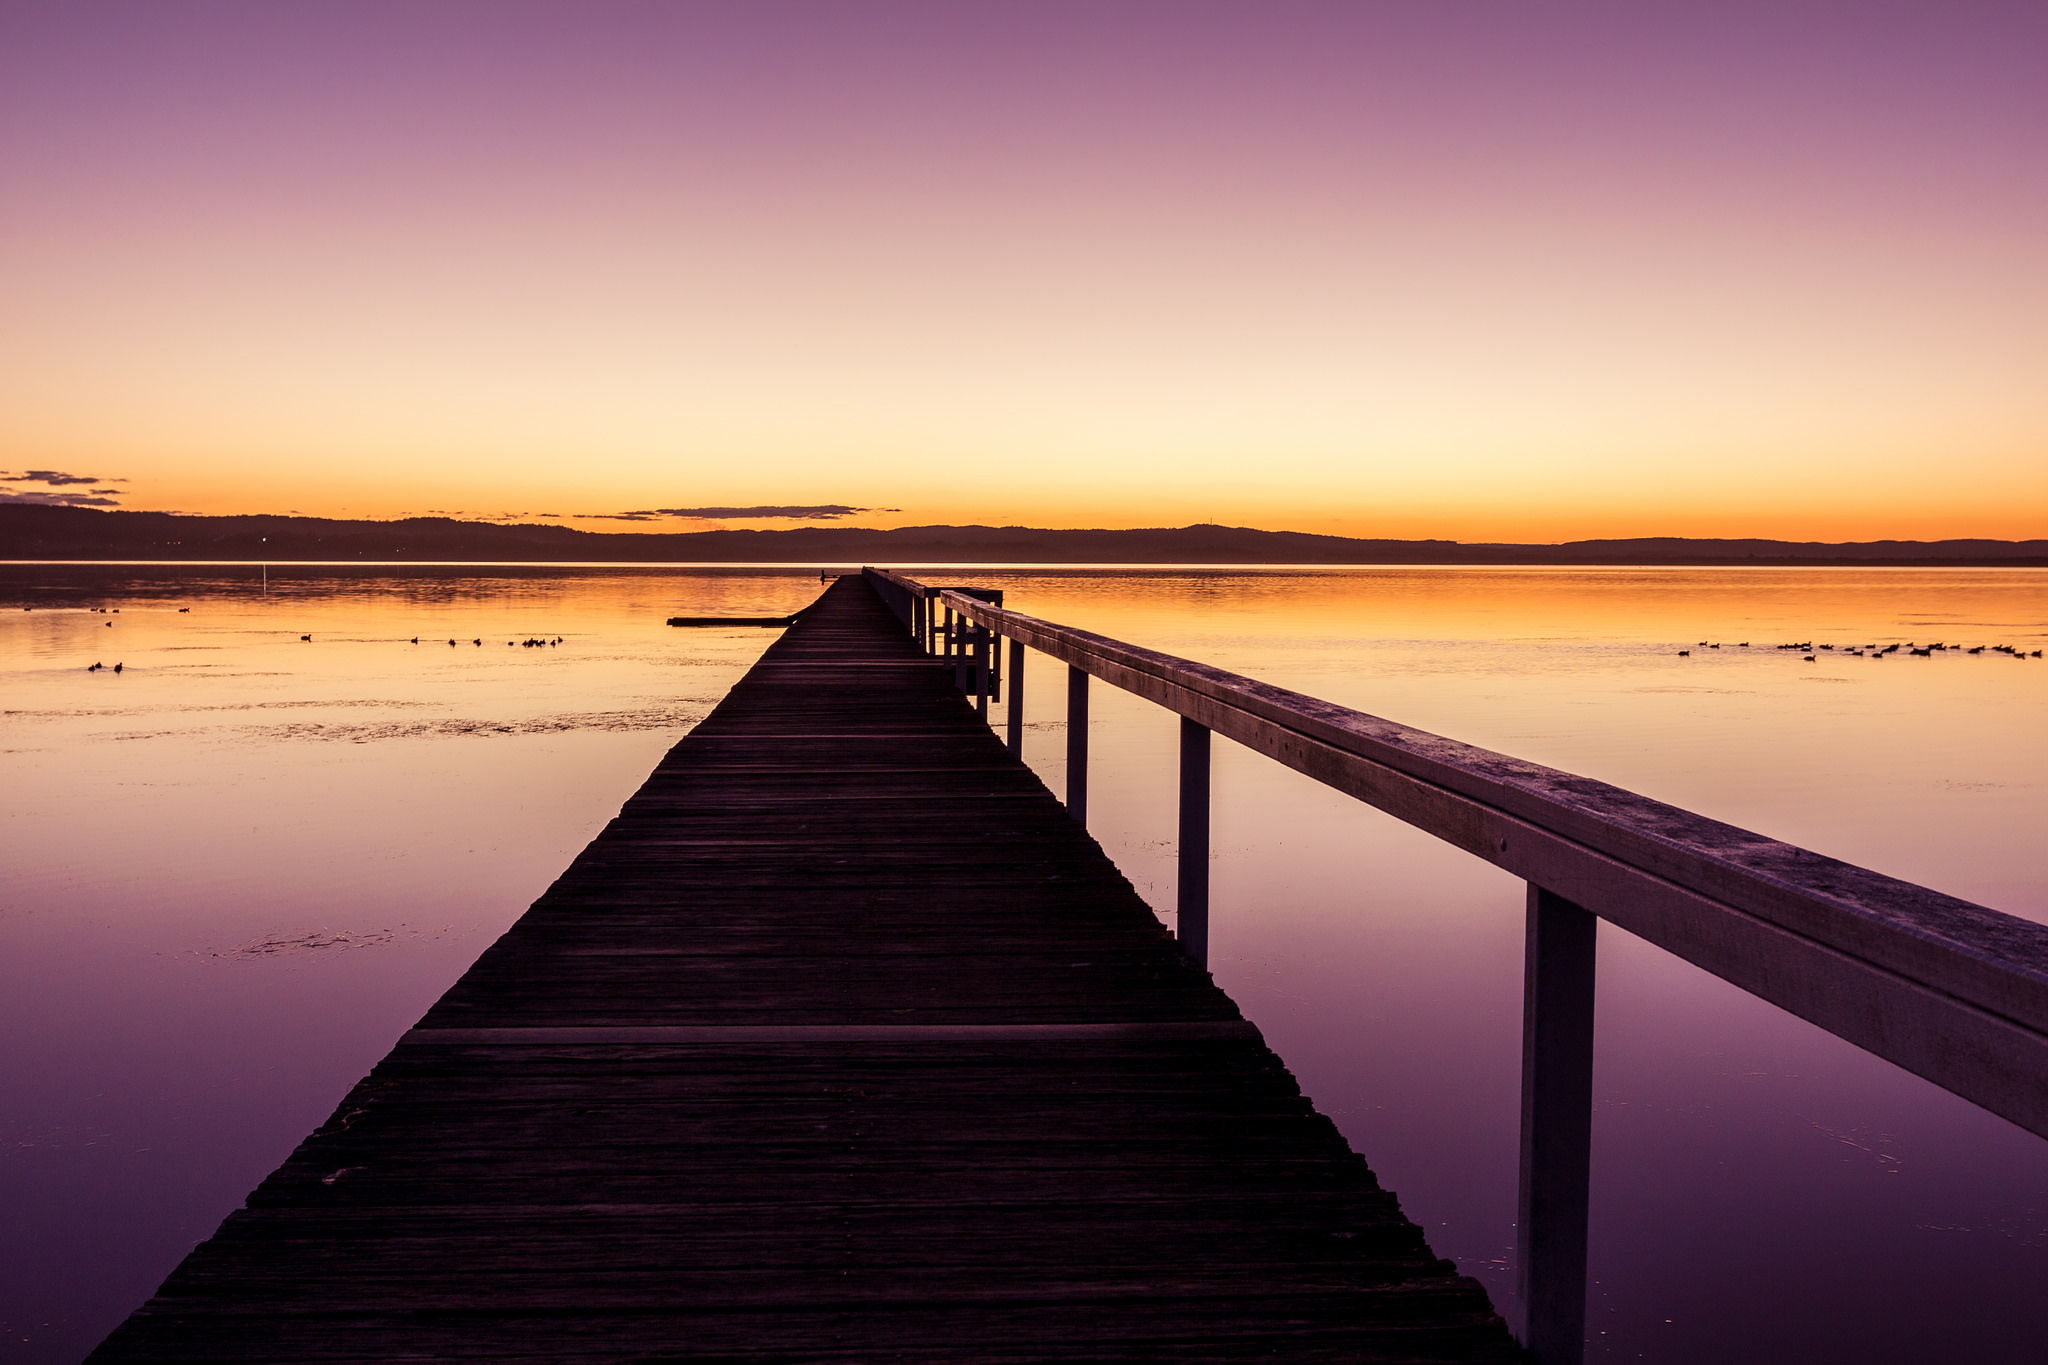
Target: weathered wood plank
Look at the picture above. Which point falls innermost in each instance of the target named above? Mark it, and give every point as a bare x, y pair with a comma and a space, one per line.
843, 1041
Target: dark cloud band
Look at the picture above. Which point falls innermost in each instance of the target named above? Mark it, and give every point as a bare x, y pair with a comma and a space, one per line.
9, 498
823, 512
56, 478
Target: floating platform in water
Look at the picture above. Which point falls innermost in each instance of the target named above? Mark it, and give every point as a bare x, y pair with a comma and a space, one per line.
734, 620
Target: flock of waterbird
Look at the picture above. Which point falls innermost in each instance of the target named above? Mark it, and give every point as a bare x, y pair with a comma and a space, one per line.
532, 642
523, 644
1810, 652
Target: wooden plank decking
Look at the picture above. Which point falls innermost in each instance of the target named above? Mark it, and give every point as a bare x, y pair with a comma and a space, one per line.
841, 1042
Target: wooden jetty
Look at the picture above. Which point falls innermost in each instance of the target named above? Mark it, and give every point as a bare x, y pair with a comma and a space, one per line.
842, 1042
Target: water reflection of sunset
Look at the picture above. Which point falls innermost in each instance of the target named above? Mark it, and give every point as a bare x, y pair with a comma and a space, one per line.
254, 855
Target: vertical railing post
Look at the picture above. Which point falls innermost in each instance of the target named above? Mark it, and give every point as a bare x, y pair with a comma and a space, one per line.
1077, 744
983, 639
1557, 1126
917, 610
1194, 840
956, 645
1016, 698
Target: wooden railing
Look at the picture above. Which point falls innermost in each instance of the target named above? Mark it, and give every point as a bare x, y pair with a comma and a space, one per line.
1950, 990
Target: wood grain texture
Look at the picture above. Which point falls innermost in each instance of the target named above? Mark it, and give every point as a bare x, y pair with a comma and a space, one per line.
842, 1042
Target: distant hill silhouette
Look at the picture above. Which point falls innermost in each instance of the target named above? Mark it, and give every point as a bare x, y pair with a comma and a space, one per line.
45, 532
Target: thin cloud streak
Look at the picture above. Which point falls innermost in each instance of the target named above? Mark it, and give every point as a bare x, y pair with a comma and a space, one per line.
823, 512
10, 498
57, 478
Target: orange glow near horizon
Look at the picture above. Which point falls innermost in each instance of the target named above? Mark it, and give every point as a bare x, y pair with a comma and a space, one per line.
1361, 275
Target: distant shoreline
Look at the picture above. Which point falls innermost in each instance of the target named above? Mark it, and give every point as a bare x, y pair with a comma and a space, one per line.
984, 566
34, 533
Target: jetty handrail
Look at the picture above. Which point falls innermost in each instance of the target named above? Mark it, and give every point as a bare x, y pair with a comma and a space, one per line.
1708, 891
1952, 991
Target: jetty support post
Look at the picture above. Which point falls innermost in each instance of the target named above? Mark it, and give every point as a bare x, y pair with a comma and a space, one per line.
1016, 699
1077, 744
1193, 897
983, 639
1557, 1126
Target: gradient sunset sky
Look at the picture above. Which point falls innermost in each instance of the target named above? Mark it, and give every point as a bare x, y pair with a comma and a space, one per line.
1474, 270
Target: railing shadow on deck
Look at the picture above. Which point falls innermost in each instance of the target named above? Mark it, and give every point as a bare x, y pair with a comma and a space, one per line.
1952, 991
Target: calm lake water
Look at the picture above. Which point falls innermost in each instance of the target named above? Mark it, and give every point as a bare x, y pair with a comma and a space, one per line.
236, 871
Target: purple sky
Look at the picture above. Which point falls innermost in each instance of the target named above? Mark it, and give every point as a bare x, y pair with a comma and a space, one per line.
1459, 269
